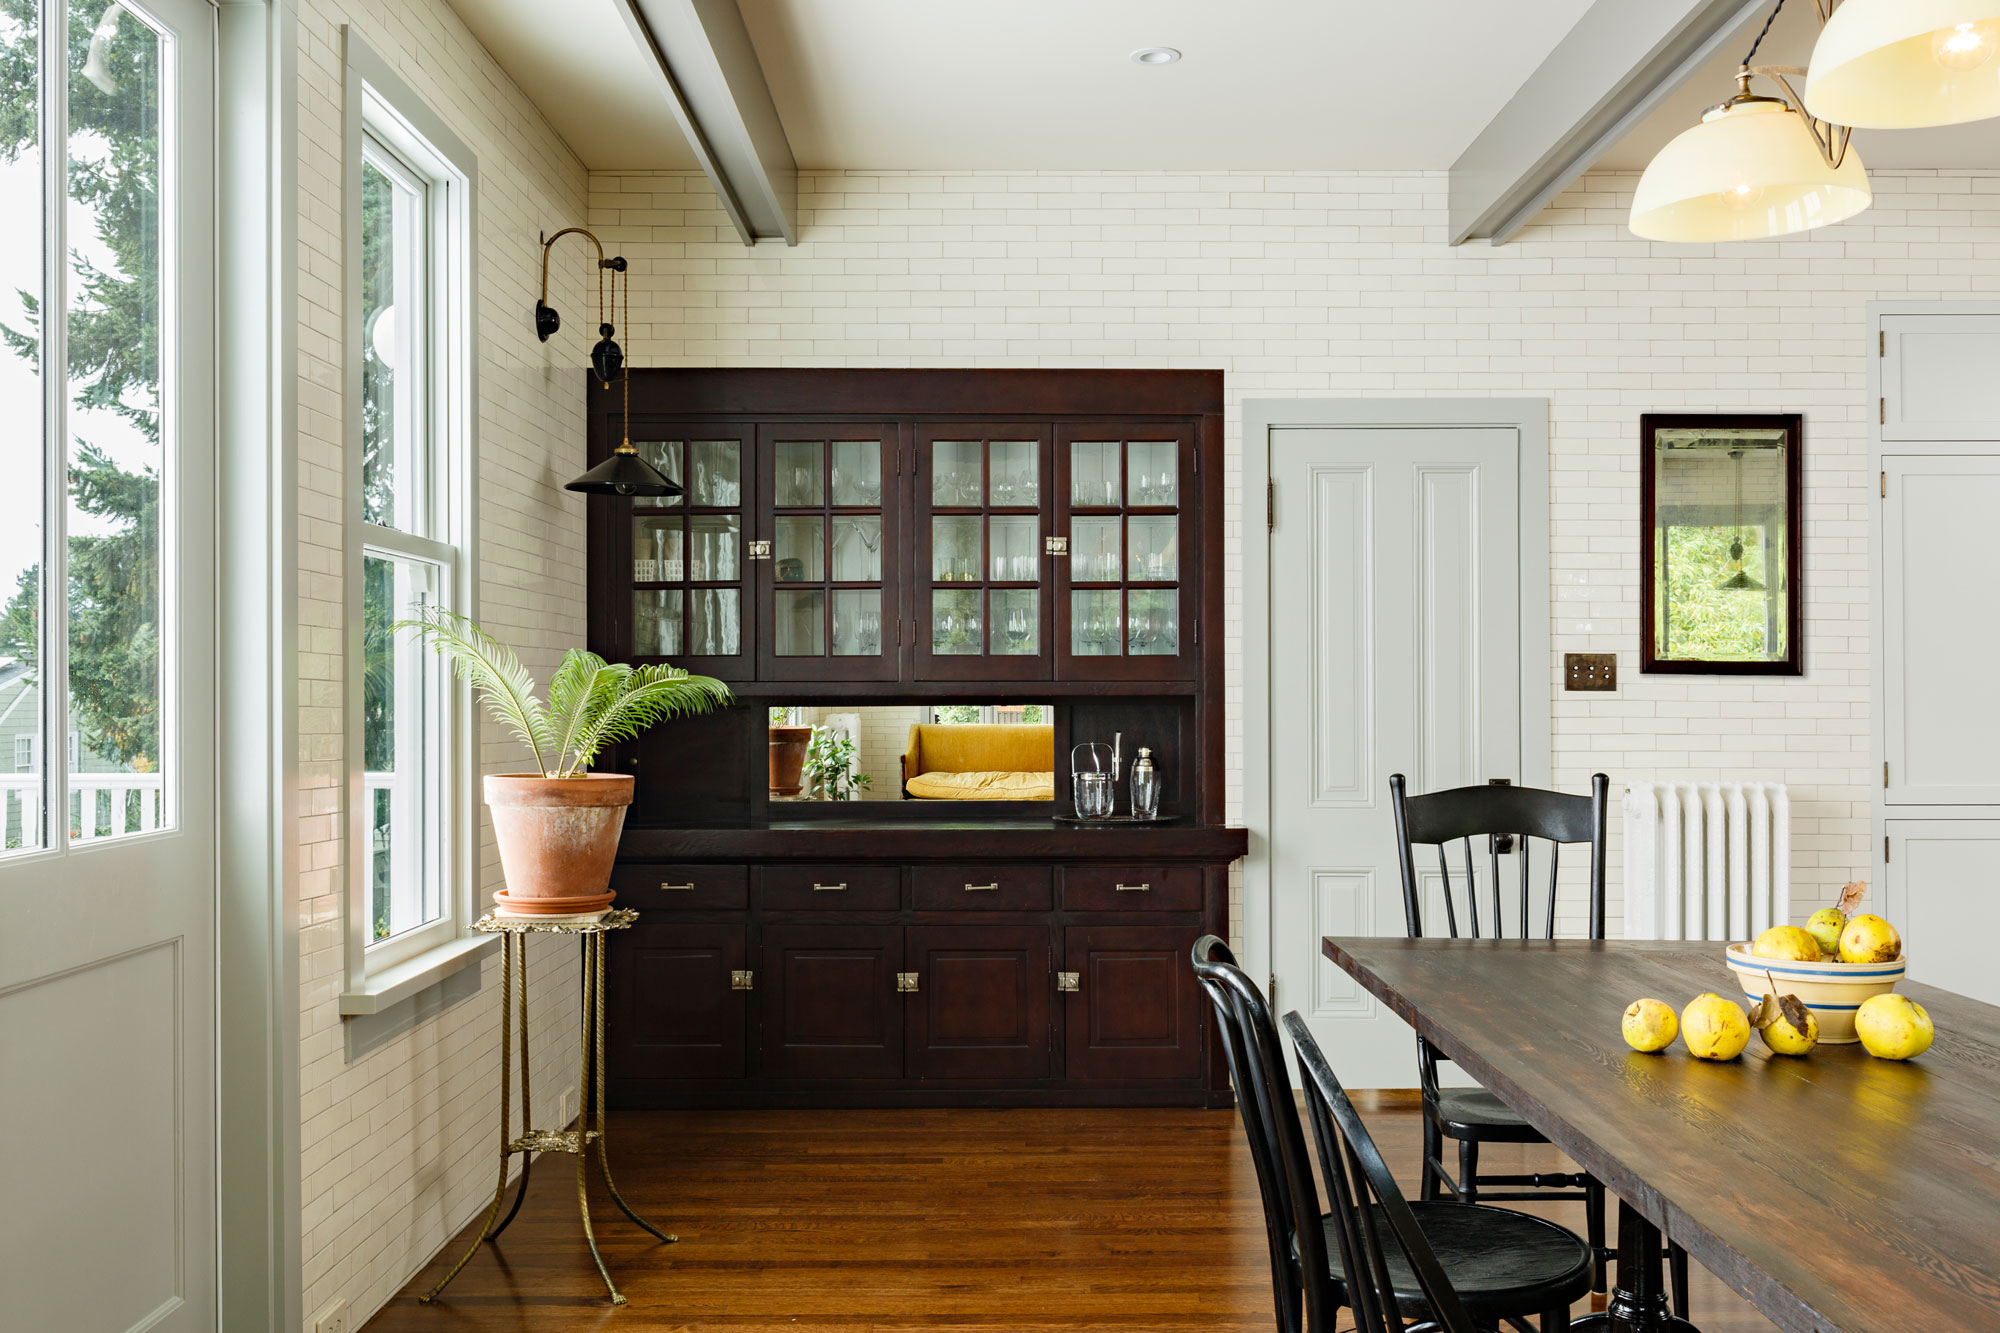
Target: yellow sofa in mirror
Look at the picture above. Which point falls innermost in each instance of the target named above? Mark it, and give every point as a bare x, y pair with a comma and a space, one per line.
980, 761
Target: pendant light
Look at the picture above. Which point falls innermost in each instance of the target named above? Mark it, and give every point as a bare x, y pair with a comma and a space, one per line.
625, 473
1755, 167
1739, 579
1907, 64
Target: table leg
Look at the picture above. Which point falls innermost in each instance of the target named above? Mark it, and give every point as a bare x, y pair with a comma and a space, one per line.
603, 1153
527, 1095
591, 945
1639, 1297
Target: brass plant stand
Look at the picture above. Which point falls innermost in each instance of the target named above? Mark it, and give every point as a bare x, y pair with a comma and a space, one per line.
590, 1087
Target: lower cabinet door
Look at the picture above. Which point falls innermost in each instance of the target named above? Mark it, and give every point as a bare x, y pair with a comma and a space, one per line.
981, 1007
1136, 1012
677, 1014
831, 1007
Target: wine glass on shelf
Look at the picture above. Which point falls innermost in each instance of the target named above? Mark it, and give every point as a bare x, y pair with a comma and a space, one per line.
1017, 630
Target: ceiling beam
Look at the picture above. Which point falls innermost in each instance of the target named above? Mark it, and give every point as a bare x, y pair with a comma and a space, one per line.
715, 88
1618, 62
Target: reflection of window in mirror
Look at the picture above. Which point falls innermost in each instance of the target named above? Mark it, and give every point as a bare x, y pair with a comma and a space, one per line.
1719, 498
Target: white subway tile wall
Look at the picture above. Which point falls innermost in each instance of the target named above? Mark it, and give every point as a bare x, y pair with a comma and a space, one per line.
397, 1146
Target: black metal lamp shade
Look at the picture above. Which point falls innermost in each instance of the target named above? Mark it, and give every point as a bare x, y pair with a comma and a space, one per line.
624, 474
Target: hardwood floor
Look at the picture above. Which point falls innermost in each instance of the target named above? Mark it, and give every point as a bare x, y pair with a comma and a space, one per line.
816, 1221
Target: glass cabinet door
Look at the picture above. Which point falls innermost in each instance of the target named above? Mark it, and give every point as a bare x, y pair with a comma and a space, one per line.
982, 512
686, 553
1125, 602
826, 586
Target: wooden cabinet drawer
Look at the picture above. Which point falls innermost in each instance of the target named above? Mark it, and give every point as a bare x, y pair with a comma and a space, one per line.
983, 888
831, 888
1132, 889
652, 887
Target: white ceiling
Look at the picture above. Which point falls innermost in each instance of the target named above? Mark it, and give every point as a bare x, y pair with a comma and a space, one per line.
1047, 84
1791, 43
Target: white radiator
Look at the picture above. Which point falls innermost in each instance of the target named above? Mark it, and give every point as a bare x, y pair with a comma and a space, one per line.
1706, 860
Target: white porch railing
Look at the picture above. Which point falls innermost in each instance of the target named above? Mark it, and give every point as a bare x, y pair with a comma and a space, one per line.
100, 806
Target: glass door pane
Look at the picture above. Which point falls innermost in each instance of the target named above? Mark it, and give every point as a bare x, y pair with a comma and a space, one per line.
687, 558
983, 548
1126, 528
832, 503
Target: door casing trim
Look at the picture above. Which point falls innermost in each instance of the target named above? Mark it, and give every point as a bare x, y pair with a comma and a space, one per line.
1262, 418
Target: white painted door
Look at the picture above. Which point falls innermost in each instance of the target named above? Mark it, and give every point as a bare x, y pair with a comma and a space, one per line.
1941, 713
1940, 890
107, 647
1937, 376
1395, 648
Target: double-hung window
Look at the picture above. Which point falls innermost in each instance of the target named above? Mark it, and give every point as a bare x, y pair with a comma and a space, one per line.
411, 734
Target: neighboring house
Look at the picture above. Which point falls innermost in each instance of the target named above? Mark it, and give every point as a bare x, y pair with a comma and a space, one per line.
20, 705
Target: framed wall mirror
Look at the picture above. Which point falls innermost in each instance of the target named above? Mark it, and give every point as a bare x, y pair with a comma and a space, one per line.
1719, 566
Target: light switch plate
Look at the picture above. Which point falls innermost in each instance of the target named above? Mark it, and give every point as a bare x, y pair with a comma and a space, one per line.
565, 1108
332, 1319
1590, 671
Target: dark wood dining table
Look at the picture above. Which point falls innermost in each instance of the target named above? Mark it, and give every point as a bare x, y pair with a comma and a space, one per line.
1837, 1192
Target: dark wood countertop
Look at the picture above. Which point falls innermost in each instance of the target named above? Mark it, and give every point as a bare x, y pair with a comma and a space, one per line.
901, 840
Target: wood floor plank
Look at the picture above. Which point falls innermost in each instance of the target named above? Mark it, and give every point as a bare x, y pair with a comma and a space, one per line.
957, 1221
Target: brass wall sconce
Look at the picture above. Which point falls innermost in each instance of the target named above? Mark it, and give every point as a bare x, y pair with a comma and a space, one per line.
607, 357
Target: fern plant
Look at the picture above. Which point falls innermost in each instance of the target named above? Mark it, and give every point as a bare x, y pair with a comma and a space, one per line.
592, 703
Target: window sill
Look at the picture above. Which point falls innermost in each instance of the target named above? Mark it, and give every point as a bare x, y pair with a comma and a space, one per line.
392, 985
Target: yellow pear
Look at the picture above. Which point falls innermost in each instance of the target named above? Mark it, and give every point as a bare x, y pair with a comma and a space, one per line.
1650, 1025
1825, 926
1792, 943
1784, 1037
1715, 1028
1893, 1027
1869, 939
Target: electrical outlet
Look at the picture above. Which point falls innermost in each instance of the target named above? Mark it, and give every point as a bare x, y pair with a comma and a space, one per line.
332, 1319
565, 1108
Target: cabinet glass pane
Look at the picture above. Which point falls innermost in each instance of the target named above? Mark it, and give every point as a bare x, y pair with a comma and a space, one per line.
715, 622
955, 549
857, 622
955, 626
857, 550
1093, 623
1153, 627
666, 456
955, 472
801, 627
800, 479
716, 473
857, 472
1093, 473
714, 548
1016, 473
1155, 555
1017, 622
1152, 475
656, 550
1093, 550
656, 623
1015, 549
800, 554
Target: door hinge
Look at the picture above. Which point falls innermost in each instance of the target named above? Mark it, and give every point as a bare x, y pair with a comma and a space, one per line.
1197, 633
1068, 982
1271, 989
1881, 342
906, 983
742, 981
1885, 849
1885, 483
1885, 773
1882, 411
1270, 506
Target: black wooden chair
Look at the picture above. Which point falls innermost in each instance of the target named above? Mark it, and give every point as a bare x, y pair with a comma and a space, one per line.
1435, 1263
1512, 1261
1509, 819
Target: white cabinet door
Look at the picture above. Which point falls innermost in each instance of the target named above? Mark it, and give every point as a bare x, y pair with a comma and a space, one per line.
1938, 380
1940, 638
1942, 890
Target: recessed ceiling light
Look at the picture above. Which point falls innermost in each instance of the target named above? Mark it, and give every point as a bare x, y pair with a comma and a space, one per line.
1155, 55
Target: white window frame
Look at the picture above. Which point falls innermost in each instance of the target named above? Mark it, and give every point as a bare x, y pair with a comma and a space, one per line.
387, 123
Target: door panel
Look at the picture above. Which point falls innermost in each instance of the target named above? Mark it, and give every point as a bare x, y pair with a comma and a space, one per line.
1937, 380
1395, 649
1941, 715
685, 556
831, 1008
1939, 892
984, 605
682, 1016
1137, 1012
982, 1004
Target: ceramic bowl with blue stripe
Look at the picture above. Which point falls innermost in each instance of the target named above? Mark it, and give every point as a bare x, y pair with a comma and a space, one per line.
1831, 989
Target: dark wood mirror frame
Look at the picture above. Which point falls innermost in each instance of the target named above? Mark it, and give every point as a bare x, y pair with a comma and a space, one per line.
1792, 663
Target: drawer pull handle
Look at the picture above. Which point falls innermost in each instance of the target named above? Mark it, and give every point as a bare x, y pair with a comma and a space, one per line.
982, 888
682, 888
829, 888
1134, 888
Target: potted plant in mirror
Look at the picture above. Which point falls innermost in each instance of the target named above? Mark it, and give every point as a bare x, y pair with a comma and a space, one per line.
558, 828
788, 752
829, 768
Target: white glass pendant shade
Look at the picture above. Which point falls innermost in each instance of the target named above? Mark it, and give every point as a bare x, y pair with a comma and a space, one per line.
1907, 64
1748, 171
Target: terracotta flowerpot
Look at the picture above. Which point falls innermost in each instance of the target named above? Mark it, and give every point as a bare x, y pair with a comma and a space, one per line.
558, 836
788, 759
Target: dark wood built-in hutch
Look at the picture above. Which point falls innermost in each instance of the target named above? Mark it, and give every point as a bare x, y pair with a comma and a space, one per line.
925, 536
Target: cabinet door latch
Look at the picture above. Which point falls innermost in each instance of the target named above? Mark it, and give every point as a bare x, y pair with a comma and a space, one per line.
1068, 982
756, 550
742, 981
906, 983
1055, 546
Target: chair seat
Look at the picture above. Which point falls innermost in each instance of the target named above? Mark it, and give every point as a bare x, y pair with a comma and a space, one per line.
1474, 1113
1500, 1262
